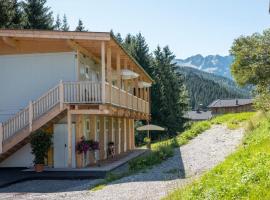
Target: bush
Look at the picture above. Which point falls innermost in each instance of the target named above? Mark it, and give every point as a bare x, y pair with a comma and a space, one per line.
40, 143
158, 155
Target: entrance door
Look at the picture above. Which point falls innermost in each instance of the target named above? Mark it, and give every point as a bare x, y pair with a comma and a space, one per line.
60, 144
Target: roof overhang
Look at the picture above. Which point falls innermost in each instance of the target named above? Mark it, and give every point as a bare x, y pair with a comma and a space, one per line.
87, 42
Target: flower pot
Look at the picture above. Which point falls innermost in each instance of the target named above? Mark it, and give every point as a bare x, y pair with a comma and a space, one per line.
39, 167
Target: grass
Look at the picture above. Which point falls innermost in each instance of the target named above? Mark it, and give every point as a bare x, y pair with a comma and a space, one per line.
232, 121
243, 175
163, 150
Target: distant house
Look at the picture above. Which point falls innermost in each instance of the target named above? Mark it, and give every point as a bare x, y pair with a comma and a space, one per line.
198, 115
222, 106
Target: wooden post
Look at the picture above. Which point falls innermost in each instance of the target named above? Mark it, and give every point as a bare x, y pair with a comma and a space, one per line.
78, 65
109, 71
119, 135
116, 135
92, 135
125, 134
132, 134
102, 139
30, 116
128, 132
61, 95
69, 123
118, 70
103, 74
79, 157
1, 137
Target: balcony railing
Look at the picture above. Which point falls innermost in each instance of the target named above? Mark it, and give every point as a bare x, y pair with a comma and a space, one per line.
122, 98
71, 93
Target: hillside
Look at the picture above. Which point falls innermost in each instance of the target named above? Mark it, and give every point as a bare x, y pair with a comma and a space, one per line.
216, 64
243, 175
203, 87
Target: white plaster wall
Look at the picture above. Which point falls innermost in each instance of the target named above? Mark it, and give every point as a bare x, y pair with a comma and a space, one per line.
21, 158
26, 77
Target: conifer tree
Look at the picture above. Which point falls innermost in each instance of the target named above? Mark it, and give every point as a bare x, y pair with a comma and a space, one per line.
38, 15
169, 95
169, 92
11, 15
119, 38
80, 26
58, 23
65, 26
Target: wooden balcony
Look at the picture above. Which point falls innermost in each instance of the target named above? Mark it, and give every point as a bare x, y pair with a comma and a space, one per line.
74, 93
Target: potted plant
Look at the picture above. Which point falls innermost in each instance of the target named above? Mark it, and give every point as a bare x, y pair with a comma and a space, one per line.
40, 142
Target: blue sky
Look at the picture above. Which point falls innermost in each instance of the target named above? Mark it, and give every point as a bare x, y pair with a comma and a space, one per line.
188, 26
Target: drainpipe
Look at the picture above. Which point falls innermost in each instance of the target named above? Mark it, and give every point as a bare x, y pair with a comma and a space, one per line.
1, 137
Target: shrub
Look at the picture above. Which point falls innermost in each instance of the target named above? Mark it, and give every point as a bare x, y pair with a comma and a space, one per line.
158, 155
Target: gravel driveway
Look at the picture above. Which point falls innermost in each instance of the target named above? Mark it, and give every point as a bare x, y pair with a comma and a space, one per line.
189, 161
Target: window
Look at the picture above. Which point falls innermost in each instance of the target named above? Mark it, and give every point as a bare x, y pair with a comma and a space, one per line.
97, 130
87, 128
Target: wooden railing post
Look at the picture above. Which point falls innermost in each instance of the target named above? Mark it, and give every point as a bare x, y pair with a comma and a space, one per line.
61, 95
30, 116
1, 137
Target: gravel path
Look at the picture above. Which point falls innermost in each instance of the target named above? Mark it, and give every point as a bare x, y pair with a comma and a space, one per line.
189, 161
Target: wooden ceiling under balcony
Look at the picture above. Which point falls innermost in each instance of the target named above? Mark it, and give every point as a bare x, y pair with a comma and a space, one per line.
33, 41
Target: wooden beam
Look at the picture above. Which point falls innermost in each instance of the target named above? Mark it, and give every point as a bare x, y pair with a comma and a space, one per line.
11, 42
103, 72
56, 34
109, 71
90, 112
118, 68
75, 46
69, 123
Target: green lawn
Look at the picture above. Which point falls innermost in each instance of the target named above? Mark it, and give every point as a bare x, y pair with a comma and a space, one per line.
243, 175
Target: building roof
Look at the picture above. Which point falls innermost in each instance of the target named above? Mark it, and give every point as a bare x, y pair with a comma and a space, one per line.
198, 115
31, 41
220, 103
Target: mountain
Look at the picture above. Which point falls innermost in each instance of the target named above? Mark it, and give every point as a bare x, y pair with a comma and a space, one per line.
216, 64
204, 87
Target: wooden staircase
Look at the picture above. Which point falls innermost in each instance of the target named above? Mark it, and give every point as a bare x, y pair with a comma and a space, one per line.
52, 106
45, 111
21, 138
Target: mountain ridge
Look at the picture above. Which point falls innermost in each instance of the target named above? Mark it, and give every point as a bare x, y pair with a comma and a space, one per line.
204, 87
216, 64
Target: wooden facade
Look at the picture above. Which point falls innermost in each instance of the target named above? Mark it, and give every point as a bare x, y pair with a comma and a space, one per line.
102, 110
223, 106
233, 109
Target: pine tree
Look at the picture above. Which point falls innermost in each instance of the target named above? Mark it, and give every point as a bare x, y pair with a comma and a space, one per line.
119, 38
65, 26
169, 95
11, 15
169, 92
38, 16
80, 26
18, 20
58, 23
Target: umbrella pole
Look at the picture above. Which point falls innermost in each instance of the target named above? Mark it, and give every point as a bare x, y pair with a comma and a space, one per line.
148, 135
